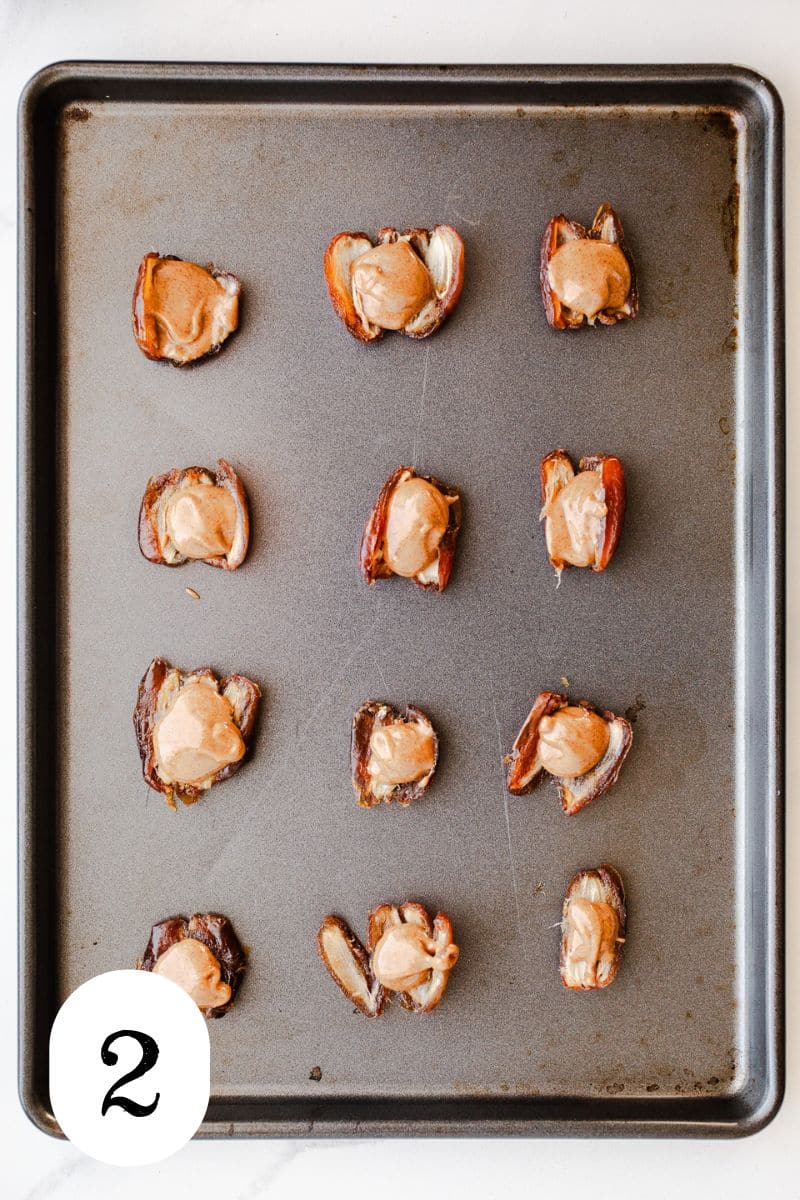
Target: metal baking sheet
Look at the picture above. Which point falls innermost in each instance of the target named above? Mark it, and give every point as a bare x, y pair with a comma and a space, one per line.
254, 168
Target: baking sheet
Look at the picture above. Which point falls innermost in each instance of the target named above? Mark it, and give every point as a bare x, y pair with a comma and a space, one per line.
255, 168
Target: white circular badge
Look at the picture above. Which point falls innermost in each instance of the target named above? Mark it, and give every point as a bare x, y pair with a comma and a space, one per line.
130, 1067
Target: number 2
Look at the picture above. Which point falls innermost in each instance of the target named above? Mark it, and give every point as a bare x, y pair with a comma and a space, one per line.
146, 1063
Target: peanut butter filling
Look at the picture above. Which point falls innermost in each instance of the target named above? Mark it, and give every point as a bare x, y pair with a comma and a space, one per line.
417, 518
576, 520
400, 753
191, 965
589, 275
404, 957
193, 311
592, 929
197, 736
391, 284
201, 520
572, 741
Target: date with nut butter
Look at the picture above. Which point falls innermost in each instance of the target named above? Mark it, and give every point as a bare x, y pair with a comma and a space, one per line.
593, 924
182, 311
202, 955
192, 729
580, 748
195, 514
587, 276
406, 953
582, 511
393, 755
412, 531
407, 281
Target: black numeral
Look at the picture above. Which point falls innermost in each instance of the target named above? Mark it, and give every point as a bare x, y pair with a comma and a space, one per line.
145, 1064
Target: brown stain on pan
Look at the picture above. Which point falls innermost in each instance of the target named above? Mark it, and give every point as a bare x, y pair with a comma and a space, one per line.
729, 221
632, 712
722, 121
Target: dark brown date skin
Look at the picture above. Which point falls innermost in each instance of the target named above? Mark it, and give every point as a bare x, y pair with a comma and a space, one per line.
215, 932
373, 564
552, 239
557, 465
224, 477
364, 722
144, 721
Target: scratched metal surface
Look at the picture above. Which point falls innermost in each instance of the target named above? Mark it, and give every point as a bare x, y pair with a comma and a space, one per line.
315, 422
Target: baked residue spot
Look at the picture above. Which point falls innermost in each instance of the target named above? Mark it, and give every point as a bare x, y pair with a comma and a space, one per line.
632, 713
729, 220
77, 113
315, 1073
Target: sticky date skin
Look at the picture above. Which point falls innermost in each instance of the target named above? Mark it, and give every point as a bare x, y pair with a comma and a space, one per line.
556, 469
364, 722
421, 999
552, 239
337, 266
214, 931
144, 722
613, 476
526, 746
525, 772
371, 558
144, 324
361, 958
170, 482
614, 895
440, 928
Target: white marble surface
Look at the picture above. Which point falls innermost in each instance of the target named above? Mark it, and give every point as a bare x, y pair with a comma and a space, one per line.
763, 35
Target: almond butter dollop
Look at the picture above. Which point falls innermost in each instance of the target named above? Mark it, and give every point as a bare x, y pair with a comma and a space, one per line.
589, 275
400, 753
576, 517
404, 957
201, 520
572, 741
592, 932
193, 311
191, 965
197, 736
391, 284
416, 521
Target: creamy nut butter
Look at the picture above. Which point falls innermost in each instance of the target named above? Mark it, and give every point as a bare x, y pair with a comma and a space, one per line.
592, 932
403, 957
416, 521
391, 284
191, 965
576, 515
400, 753
589, 275
197, 735
192, 310
572, 741
201, 520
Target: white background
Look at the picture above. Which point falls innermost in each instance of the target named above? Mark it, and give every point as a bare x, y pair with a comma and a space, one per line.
763, 34
91, 1105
